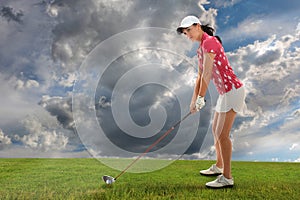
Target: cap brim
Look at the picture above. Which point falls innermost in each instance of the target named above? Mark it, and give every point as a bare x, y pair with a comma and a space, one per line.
179, 30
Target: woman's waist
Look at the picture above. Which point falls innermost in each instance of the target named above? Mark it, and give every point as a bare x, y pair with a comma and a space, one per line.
223, 89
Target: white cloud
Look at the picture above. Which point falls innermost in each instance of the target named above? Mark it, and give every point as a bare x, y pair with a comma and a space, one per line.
262, 26
52, 10
67, 80
5, 141
228, 3
294, 146
290, 93
26, 84
41, 137
270, 71
208, 16
277, 138
16, 102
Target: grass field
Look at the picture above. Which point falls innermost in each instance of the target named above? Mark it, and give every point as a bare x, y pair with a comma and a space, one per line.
81, 179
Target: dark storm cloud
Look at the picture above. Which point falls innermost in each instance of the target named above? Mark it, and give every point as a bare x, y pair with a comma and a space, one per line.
9, 14
82, 25
61, 108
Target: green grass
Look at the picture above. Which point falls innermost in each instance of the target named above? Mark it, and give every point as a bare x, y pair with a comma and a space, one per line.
81, 179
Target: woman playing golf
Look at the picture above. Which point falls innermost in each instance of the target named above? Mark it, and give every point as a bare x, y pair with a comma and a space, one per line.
213, 64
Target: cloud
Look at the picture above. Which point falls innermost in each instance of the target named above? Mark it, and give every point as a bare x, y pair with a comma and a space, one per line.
72, 43
67, 80
262, 26
296, 113
41, 137
9, 14
277, 133
270, 72
103, 103
294, 146
5, 141
78, 31
61, 108
28, 84
221, 3
207, 16
44, 45
269, 69
17, 99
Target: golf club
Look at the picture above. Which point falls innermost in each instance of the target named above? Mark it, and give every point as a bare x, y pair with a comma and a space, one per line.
110, 179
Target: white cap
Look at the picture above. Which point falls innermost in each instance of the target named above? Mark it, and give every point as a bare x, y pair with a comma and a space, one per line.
188, 21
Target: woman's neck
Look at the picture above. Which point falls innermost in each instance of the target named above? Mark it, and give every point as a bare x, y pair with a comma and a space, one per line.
199, 38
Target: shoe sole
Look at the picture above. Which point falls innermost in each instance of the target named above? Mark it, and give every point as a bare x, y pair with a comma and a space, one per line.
217, 174
225, 186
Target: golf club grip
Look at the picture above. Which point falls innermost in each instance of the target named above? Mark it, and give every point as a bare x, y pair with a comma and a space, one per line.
155, 143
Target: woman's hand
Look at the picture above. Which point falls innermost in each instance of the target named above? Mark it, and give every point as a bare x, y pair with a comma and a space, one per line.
193, 107
197, 104
200, 103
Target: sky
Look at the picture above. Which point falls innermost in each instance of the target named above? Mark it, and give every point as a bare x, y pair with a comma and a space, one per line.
106, 78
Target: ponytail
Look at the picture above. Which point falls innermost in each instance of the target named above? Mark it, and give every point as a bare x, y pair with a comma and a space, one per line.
210, 31
218, 38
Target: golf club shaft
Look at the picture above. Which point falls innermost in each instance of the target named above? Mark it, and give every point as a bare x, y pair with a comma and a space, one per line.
155, 143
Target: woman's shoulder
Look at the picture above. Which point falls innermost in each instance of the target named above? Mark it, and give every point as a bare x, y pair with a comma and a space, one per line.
211, 43
211, 40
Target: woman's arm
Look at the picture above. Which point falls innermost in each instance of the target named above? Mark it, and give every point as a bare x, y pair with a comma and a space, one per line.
206, 74
196, 91
203, 80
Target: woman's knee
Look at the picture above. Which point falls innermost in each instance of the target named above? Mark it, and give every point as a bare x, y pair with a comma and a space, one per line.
223, 136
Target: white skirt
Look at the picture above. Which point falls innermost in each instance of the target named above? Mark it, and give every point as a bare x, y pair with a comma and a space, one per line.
234, 99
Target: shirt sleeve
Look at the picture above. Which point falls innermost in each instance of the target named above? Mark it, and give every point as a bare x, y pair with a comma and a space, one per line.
211, 45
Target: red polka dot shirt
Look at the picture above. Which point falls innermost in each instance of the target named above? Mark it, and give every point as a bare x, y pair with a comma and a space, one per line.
223, 75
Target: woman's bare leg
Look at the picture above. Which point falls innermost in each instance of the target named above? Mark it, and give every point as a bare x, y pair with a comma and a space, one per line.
219, 161
222, 136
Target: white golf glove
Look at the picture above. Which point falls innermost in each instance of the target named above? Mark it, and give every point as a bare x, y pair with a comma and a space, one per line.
200, 103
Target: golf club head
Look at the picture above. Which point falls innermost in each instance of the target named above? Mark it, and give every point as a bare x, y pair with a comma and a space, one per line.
108, 179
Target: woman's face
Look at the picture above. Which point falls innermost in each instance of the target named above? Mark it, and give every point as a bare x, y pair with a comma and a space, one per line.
193, 32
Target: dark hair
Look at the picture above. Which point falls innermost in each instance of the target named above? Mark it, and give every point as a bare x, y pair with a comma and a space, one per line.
210, 31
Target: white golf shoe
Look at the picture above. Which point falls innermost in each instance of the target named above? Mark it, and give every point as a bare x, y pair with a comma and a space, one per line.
212, 171
220, 182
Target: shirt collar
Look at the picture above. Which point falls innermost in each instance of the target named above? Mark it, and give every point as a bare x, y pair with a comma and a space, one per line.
204, 36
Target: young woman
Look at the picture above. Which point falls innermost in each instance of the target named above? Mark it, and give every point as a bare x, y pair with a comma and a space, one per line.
213, 64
